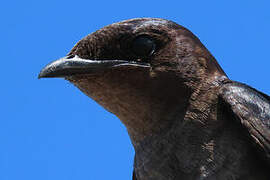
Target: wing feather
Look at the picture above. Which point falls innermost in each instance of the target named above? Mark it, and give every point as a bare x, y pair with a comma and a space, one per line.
252, 109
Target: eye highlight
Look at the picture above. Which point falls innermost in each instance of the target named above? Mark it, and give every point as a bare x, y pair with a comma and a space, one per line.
143, 46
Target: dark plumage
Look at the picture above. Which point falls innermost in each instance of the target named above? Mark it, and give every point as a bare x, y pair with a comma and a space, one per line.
185, 118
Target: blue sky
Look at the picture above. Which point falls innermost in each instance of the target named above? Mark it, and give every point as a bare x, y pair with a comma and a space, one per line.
49, 130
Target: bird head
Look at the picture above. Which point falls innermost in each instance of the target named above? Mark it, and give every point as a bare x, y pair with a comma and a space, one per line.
142, 70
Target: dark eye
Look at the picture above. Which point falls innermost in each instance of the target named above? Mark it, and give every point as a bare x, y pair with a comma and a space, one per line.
143, 46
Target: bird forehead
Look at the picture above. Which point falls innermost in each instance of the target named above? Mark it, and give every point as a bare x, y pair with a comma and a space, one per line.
145, 23
111, 37
134, 27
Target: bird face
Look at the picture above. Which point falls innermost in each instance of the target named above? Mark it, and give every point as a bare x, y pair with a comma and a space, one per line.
138, 43
137, 68
156, 45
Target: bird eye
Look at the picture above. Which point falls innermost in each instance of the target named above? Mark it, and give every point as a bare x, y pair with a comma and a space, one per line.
143, 46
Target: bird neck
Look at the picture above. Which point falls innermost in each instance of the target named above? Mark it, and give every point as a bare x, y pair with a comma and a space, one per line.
156, 115
190, 138
162, 115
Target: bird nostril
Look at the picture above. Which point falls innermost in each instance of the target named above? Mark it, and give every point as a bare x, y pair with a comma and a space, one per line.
70, 56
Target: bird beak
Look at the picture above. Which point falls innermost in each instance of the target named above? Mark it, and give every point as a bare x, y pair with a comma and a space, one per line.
73, 65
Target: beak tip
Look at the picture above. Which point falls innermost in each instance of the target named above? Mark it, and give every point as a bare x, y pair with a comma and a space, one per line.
40, 76
43, 74
50, 70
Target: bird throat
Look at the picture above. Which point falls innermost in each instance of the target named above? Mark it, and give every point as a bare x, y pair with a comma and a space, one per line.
146, 105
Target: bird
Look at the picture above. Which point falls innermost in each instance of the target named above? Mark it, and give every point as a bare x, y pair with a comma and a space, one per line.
186, 119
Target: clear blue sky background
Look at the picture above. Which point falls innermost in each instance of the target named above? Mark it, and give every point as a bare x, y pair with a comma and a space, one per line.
49, 130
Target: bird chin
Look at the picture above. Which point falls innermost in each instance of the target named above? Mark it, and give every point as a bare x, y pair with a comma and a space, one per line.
78, 77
